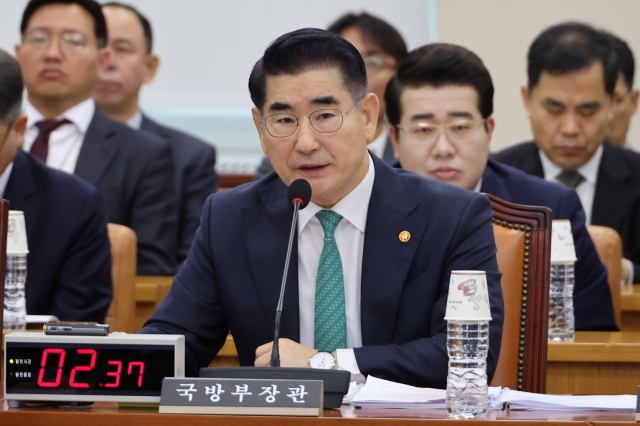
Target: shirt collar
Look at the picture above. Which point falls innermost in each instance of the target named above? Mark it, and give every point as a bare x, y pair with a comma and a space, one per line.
353, 207
378, 145
478, 186
135, 121
4, 179
589, 170
79, 115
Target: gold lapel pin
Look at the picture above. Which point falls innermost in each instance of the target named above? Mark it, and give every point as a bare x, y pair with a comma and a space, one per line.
404, 236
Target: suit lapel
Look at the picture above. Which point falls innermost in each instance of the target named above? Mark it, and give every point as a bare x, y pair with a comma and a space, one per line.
610, 189
21, 191
266, 230
531, 161
386, 260
151, 126
98, 148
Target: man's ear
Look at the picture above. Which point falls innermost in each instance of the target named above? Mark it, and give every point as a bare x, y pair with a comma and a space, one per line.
20, 125
634, 101
151, 67
370, 107
490, 126
526, 99
257, 121
393, 135
104, 56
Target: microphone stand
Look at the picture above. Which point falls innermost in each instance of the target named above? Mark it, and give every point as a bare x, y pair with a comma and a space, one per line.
275, 351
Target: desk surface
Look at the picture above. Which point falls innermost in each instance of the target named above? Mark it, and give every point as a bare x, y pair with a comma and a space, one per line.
592, 346
108, 414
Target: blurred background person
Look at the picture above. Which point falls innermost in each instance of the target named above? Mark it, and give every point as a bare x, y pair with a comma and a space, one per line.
625, 97
132, 64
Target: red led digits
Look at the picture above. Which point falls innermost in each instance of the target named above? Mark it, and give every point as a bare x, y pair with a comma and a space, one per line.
139, 364
115, 374
89, 367
43, 362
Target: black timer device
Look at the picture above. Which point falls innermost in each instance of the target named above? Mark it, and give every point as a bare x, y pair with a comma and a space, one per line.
118, 367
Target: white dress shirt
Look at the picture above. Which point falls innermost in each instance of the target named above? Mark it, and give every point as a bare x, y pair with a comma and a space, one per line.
136, 121
66, 141
349, 236
4, 179
587, 188
378, 145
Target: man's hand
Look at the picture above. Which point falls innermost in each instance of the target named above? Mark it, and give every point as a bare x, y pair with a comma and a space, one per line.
292, 354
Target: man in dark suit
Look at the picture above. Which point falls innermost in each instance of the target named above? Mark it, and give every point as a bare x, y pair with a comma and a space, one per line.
69, 260
382, 47
439, 105
61, 49
132, 64
374, 305
572, 76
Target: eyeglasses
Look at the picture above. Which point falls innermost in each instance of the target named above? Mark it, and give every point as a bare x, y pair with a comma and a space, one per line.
376, 63
70, 42
323, 120
428, 133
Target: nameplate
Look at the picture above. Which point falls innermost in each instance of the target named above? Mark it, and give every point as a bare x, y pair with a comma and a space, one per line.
638, 406
252, 397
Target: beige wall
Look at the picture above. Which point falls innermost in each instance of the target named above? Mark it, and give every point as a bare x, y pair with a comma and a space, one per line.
500, 32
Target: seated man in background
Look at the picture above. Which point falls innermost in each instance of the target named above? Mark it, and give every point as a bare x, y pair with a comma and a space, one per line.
439, 105
367, 283
382, 47
69, 261
572, 71
62, 47
131, 64
625, 97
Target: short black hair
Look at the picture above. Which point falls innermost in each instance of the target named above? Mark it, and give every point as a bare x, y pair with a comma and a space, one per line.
146, 25
572, 46
11, 87
91, 6
626, 63
378, 31
438, 65
304, 50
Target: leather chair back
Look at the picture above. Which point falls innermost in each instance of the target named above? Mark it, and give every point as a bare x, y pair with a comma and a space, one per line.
609, 247
121, 314
523, 239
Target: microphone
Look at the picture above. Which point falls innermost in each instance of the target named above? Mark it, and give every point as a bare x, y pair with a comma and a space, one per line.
299, 195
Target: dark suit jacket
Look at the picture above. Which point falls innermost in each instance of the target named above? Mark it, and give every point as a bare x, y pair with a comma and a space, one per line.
616, 203
231, 279
591, 295
266, 167
69, 261
134, 172
195, 179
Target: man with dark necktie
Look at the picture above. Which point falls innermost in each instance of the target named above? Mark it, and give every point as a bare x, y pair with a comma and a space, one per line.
60, 52
573, 70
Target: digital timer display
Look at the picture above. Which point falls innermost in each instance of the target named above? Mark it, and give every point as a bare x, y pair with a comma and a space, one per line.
96, 369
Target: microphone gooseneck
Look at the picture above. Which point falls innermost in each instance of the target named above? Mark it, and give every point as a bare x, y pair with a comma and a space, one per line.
299, 195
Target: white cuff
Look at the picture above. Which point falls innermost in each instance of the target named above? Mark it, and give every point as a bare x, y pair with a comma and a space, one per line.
631, 271
347, 362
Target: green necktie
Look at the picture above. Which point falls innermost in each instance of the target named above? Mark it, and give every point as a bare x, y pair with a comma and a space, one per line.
330, 318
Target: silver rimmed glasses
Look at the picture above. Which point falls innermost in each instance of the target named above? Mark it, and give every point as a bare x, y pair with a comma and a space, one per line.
323, 120
456, 131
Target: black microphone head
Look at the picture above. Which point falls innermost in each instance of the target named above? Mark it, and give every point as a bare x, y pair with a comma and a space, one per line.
300, 190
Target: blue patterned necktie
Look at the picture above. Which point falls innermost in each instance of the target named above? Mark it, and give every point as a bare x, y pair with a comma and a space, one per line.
330, 318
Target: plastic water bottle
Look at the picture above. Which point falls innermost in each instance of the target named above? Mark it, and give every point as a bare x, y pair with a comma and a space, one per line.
467, 387
561, 318
15, 308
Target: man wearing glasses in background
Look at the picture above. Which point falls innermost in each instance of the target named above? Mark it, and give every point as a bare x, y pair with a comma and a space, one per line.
369, 275
439, 105
382, 47
62, 47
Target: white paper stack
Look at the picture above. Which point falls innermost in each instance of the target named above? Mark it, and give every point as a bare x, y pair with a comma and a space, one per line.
516, 400
378, 393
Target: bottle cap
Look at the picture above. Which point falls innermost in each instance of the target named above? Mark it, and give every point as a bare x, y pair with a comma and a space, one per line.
17, 234
468, 297
562, 247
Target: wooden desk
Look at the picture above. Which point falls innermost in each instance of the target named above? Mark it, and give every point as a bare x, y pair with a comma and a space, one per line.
604, 363
630, 307
150, 291
108, 414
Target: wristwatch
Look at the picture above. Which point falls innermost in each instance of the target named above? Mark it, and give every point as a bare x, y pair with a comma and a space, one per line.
322, 361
